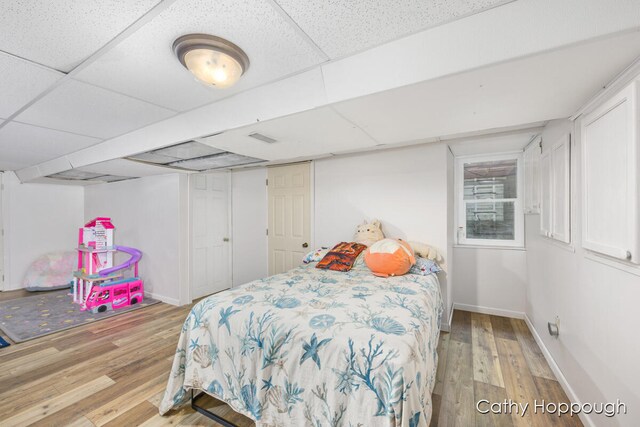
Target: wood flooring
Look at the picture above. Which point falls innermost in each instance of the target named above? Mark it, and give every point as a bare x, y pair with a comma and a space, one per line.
113, 373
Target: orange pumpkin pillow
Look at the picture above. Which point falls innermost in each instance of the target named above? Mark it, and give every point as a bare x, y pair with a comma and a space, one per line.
389, 257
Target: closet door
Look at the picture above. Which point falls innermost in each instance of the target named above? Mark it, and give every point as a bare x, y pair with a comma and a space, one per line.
560, 190
545, 194
610, 177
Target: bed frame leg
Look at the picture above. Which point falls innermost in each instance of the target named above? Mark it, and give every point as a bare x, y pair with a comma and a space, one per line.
208, 413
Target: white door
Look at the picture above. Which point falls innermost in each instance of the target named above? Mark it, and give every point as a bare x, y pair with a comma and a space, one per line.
210, 245
289, 216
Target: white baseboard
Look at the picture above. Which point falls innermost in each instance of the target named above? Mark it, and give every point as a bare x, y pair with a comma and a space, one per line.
171, 301
488, 310
571, 394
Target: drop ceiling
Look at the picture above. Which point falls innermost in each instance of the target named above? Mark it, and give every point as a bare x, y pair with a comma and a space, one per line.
81, 77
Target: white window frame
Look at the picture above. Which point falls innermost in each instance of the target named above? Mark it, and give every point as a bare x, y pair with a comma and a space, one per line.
460, 211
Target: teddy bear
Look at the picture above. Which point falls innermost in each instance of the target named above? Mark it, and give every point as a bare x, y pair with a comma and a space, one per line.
368, 233
425, 251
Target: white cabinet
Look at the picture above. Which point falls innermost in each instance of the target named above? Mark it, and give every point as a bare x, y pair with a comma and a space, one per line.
555, 190
610, 161
545, 194
532, 178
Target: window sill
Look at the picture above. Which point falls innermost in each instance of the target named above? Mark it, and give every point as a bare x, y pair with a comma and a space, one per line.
503, 248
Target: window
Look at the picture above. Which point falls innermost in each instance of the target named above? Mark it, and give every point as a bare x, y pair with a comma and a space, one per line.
489, 206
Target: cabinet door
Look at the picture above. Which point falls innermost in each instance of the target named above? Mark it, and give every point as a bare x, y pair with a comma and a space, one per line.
529, 180
546, 197
560, 189
610, 177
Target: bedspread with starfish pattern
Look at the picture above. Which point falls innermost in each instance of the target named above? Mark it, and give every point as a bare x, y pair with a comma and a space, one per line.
315, 347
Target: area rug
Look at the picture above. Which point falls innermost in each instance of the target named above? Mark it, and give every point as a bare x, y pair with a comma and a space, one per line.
26, 318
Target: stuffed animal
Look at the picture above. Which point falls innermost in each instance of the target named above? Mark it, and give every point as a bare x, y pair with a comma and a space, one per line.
426, 251
368, 233
389, 257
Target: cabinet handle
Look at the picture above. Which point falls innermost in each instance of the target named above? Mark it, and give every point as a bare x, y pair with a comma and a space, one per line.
628, 255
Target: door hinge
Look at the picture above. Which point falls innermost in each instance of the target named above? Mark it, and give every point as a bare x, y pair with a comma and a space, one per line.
267, 231
266, 182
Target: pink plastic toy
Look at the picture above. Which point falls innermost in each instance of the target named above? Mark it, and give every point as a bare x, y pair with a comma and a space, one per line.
113, 295
99, 286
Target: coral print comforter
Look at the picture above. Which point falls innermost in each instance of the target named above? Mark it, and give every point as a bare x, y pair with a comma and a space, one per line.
316, 348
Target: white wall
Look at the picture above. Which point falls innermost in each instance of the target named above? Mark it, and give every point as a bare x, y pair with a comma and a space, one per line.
249, 225
38, 218
492, 280
405, 188
597, 303
150, 214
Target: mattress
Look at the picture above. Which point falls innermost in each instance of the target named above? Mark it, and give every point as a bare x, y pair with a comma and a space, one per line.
315, 347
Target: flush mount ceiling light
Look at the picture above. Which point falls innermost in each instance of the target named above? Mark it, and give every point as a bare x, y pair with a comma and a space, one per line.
212, 60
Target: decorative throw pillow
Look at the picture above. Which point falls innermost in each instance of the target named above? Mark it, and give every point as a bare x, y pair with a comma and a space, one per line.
342, 256
425, 267
315, 256
389, 257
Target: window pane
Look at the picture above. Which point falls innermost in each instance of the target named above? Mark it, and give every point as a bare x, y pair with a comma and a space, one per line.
491, 180
490, 220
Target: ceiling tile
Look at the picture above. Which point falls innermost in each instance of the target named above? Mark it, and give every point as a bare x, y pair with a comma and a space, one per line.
341, 28
216, 161
144, 65
23, 145
62, 33
21, 82
312, 133
88, 110
123, 167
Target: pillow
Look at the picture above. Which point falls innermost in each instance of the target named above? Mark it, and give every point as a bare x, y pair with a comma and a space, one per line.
389, 257
51, 271
360, 262
341, 257
315, 256
425, 267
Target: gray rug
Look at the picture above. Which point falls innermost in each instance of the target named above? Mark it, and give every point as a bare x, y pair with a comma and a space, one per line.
26, 318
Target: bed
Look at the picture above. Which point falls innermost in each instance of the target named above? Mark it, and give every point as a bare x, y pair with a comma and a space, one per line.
315, 347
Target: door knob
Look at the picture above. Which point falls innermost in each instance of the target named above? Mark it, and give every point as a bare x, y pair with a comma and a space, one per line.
305, 245
225, 239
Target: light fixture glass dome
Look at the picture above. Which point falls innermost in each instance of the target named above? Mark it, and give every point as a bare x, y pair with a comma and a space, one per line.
212, 60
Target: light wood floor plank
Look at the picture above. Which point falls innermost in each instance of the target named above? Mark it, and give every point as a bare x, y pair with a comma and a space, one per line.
457, 405
537, 363
502, 328
443, 349
519, 383
57, 403
136, 416
127, 401
486, 364
552, 392
492, 394
461, 326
